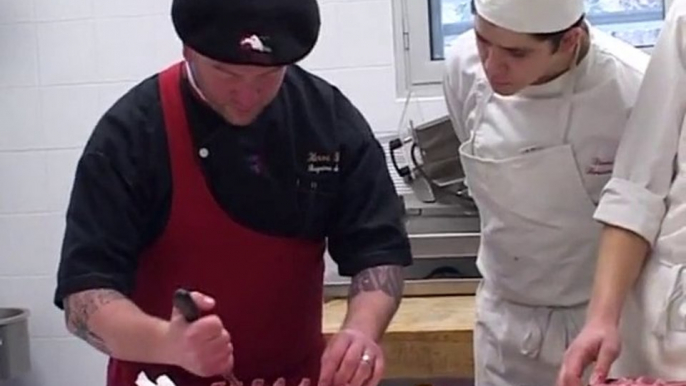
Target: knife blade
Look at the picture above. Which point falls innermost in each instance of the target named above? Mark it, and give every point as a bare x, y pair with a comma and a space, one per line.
185, 304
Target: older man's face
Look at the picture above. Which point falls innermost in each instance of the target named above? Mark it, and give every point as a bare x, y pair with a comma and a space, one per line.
238, 92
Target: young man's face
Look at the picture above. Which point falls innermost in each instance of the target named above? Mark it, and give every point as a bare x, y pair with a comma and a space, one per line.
513, 61
238, 92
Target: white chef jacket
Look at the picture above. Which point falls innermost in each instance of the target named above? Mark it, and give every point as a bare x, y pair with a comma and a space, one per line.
538, 161
635, 197
603, 98
647, 195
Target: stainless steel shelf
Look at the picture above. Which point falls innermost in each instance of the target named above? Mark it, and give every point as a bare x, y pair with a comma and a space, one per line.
442, 245
430, 287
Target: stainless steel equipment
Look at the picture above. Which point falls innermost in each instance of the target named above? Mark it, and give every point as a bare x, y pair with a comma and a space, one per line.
15, 351
432, 163
442, 221
444, 240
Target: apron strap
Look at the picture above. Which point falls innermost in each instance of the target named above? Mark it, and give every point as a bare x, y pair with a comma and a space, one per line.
566, 115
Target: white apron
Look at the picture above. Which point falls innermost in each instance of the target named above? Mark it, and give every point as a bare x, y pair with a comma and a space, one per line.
537, 255
654, 319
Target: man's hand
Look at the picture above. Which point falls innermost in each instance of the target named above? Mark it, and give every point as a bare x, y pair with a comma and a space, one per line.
597, 342
351, 359
202, 347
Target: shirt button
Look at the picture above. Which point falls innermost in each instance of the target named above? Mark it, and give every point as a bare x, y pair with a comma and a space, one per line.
203, 152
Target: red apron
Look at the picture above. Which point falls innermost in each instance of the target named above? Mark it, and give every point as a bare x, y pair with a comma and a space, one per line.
268, 289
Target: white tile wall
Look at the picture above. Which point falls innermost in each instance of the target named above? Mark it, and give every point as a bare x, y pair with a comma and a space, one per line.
126, 8
61, 168
63, 63
15, 11
24, 182
55, 10
125, 59
30, 245
19, 59
67, 52
68, 114
109, 93
21, 127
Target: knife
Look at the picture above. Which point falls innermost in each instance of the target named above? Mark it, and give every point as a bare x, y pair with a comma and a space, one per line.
185, 304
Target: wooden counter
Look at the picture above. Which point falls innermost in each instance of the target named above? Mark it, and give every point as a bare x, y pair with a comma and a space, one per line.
429, 336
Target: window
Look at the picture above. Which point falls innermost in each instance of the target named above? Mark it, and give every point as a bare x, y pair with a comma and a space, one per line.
429, 27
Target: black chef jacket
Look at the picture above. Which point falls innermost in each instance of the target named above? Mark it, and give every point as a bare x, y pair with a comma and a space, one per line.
308, 167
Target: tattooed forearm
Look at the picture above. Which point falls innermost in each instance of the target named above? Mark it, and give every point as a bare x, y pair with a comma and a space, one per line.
387, 278
78, 309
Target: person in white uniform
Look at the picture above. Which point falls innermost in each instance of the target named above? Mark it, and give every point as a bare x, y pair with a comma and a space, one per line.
638, 308
539, 101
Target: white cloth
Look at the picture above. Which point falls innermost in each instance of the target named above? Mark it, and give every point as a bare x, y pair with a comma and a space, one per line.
162, 380
531, 16
647, 195
535, 163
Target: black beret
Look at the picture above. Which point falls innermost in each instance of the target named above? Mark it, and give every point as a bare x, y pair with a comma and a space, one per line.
256, 32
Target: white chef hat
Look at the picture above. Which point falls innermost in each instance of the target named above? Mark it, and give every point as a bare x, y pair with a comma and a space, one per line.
531, 16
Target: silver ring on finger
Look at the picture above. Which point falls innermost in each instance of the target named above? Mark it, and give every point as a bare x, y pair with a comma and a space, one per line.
366, 358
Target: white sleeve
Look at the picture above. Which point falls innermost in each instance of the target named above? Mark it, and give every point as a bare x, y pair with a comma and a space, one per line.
451, 93
455, 104
635, 197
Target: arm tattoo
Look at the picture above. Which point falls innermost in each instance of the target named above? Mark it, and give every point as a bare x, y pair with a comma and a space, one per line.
386, 278
78, 309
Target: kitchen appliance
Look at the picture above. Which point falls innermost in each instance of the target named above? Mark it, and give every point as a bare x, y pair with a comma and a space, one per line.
432, 163
445, 240
441, 219
15, 344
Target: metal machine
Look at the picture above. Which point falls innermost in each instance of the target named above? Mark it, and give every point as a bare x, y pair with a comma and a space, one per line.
432, 164
441, 219
444, 240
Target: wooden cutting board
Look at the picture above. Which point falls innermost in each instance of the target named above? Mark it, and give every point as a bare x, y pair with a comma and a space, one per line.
429, 336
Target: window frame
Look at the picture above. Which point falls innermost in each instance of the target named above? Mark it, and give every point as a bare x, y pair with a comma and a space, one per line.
415, 71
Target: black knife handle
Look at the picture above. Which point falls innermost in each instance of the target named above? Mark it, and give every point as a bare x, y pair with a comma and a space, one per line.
184, 303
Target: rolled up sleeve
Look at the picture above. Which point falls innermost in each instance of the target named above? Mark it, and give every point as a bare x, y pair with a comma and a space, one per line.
636, 197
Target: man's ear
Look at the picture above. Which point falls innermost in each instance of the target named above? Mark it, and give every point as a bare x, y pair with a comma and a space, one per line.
187, 53
570, 40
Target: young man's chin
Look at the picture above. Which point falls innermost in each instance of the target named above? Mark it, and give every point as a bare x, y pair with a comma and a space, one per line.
504, 89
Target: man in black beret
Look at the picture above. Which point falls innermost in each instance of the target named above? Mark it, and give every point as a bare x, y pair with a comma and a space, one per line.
230, 174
